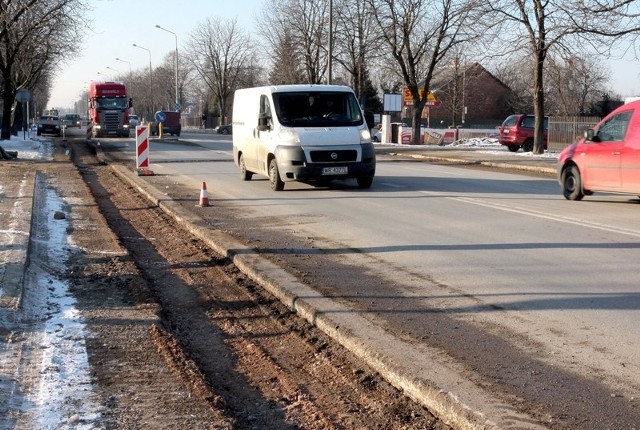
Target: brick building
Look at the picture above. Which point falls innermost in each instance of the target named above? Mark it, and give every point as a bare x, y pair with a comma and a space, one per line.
484, 96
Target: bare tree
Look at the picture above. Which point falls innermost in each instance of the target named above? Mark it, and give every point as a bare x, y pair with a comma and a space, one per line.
544, 26
420, 34
516, 74
574, 84
35, 35
305, 24
285, 68
357, 41
220, 52
165, 88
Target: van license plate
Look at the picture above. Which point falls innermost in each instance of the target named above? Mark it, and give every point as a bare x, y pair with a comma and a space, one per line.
335, 170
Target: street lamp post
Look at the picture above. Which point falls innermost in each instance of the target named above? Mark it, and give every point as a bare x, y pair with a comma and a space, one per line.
176, 68
150, 74
130, 75
111, 68
330, 49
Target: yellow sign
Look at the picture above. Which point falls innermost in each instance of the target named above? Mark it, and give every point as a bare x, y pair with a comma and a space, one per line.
407, 99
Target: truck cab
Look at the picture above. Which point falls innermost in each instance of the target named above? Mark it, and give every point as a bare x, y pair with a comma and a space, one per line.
109, 108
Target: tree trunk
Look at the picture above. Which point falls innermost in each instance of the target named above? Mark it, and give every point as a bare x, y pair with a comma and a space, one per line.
222, 109
418, 106
8, 97
538, 105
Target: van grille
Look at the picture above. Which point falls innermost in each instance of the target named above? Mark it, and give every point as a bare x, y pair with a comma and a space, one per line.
339, 157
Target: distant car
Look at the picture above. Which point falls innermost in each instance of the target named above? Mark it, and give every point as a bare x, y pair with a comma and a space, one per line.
72, 120
49, 124
224, 129
376, 133
517, 132
134, 121
171, 124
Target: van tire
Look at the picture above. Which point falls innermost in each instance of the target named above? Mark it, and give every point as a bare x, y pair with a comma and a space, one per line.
571, 184
245, 175
364, 181
527, 146
513, 148
274, 176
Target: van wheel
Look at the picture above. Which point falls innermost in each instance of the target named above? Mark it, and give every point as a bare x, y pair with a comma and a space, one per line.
274, 176
245, 175
571, 184
513, 148
364, 181
527, 146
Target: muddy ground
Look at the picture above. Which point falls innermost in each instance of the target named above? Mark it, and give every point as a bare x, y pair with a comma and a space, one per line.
177, 337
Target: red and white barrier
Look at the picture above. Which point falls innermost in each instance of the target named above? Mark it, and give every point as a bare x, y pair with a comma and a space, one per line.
142, 150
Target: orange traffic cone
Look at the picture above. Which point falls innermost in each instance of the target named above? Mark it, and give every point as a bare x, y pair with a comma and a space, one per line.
204, 196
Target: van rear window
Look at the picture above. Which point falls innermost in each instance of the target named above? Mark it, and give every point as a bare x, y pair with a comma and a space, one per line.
317, 109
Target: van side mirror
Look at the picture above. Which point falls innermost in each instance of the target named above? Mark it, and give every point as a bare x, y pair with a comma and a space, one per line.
264, 122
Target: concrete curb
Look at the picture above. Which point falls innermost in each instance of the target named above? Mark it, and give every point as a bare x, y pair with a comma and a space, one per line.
499, 165
433, 380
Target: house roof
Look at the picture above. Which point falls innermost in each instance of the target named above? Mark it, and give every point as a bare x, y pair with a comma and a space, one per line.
446, 78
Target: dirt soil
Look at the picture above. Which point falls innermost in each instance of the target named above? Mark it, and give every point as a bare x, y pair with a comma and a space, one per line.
177, 337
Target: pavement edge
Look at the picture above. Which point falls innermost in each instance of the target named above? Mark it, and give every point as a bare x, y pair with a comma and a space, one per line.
446, 390
12, 282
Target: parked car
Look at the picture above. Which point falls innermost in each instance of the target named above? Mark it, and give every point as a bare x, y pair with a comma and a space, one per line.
224, 129
49, 124
72, 120
171, 124
606, 158
517, 132
376, 133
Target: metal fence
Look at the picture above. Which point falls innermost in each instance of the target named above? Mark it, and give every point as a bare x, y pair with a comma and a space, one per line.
564, 130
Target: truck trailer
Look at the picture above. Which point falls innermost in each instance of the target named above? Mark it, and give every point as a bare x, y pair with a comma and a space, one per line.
109, 109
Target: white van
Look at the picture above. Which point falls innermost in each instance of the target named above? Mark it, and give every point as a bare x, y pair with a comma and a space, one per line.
306, 133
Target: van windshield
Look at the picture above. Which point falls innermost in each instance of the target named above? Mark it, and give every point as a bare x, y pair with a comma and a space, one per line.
317, 109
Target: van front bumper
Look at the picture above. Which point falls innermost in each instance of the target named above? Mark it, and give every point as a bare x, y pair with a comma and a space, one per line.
325, 163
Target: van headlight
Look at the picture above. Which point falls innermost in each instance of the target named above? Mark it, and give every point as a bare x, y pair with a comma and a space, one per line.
365, 136
288, 136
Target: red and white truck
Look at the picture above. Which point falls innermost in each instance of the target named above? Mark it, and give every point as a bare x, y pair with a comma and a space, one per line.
109, 109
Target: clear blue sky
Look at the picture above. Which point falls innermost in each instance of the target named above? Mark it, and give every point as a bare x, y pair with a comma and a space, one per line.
118, 24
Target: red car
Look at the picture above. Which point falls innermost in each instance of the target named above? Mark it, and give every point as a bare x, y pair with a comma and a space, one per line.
606, 159
517, 132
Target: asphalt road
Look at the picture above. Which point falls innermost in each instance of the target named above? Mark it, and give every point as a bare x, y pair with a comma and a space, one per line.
547, 284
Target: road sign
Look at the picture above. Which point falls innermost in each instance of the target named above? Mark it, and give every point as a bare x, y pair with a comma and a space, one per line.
392, 102
161, 116
23, 95
177, 107
432, 100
